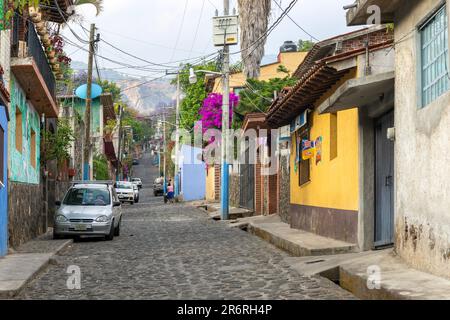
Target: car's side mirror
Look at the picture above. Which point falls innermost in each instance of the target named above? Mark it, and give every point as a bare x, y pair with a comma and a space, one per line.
117, 204
58, 203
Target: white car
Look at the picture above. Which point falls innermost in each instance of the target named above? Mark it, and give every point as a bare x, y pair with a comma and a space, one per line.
89, 209
125, 191
136, 192
138, 182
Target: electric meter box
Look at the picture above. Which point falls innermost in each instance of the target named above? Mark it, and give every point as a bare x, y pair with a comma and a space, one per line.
225, 30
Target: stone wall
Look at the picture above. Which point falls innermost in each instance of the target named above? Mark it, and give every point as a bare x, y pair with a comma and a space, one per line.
26, 218
235, 193
284, 189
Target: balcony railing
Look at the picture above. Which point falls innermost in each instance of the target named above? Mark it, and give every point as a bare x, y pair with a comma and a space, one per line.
26, 44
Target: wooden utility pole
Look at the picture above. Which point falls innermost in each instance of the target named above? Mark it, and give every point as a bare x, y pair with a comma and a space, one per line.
119, 166
87, 170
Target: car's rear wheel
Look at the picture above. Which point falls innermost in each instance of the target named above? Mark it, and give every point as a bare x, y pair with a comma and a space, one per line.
110, 236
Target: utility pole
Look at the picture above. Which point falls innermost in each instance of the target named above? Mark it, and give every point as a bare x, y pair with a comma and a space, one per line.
119, 166
177, 135
87, 118
165, 150
177, 142
225, 193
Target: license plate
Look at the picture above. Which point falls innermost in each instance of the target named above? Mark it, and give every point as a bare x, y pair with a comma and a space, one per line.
82, 227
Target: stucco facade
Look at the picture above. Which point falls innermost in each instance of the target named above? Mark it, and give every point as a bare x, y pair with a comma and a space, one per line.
421, 152
22, 168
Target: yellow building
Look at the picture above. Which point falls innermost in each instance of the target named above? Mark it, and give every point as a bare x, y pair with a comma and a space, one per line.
290, 60
332, 112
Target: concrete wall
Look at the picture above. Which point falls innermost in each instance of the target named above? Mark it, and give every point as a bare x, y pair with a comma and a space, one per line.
284, 188
422, 154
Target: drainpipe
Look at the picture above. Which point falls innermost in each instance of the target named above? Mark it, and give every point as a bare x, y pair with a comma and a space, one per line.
367, 68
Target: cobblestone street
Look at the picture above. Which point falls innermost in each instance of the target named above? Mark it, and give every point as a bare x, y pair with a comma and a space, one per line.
175, 252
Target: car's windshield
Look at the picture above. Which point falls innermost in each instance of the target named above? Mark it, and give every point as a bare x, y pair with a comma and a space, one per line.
87, 197
124, 186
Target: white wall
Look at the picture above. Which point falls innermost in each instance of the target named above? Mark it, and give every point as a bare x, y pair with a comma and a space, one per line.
422, 154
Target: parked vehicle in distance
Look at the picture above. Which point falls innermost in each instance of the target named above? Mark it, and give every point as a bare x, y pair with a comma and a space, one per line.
136, 192
125, 191
135, 162
138, 181
89, 209
158, 187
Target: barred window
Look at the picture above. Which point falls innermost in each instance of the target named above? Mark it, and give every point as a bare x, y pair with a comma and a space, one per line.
434, 52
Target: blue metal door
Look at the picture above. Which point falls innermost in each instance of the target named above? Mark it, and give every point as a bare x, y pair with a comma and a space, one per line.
384, 219
3, 182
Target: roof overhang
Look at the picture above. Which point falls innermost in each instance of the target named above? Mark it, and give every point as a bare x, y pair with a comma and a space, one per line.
255, 121
32, 82
360, 14
305, 94
359, 92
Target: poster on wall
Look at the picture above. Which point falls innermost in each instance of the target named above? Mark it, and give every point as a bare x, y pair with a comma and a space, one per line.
308, 149
318, 145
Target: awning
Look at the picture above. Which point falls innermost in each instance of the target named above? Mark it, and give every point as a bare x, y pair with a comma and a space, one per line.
359, 92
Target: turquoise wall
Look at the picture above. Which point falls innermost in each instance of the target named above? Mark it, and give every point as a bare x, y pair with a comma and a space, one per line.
20, 166
80, 107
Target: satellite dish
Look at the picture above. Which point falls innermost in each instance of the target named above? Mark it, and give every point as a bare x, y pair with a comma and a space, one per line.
81, 91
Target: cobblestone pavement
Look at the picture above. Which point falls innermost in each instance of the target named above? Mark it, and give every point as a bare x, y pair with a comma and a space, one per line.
175, 252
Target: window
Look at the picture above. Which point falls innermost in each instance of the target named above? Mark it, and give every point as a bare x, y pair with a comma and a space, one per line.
434, 52
33, 149
333, 136
2, 155
88, 197
304, 165
19, 132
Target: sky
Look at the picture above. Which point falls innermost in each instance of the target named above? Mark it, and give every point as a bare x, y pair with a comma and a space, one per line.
163, 31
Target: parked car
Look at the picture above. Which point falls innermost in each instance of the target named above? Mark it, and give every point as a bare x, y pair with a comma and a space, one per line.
158, 187
135, 162
136, 192
125, 191
89, 209
138, 181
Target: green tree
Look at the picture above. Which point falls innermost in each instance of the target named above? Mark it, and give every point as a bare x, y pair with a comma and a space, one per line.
194, 94
305, 45
58, 144
258, 96
101, 169
112, 88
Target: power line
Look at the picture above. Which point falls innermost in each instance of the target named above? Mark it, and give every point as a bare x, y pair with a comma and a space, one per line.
198, 27
181, 28
300, 27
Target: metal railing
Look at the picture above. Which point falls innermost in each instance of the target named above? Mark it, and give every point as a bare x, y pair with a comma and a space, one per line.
34, 50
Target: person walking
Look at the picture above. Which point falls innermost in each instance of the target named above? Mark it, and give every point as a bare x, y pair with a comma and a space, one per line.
170, 193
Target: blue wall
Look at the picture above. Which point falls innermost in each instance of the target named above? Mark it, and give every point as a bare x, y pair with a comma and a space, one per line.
4, 190
193, 174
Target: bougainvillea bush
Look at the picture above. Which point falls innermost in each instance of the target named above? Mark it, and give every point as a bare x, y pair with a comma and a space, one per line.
211, 111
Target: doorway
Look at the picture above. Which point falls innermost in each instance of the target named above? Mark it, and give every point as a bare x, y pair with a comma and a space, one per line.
384, 182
